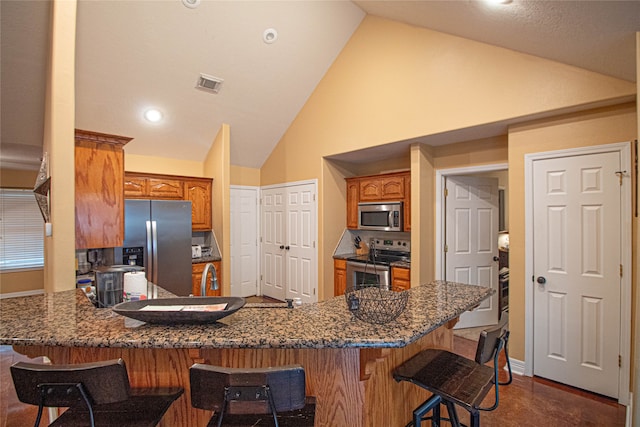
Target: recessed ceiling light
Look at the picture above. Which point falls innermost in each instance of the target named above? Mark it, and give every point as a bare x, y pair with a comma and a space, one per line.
191, 4
153, 115
499, 1
270, 35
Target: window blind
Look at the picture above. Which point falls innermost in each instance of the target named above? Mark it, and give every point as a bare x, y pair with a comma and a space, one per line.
21, 230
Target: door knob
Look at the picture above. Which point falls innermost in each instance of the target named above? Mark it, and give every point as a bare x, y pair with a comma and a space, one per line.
496, 259
281, 246
287, 247
541, 280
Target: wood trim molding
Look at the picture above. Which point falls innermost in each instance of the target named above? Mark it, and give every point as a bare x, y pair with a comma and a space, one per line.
100, 138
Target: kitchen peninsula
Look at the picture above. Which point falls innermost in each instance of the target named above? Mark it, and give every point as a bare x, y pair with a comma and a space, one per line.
347, 361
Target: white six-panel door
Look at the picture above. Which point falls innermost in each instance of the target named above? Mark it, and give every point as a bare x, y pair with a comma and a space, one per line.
273, 243
289, 254
577, 259
471, 235
301, 274
244, 241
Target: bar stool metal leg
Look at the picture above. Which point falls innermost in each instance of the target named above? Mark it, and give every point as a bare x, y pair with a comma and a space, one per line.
431, 404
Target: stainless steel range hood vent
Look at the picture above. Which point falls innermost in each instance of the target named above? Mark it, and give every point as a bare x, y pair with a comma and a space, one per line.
209, 83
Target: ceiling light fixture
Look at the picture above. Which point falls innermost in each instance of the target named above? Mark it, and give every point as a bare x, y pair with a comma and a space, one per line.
153, 115
191, 4
499, 1
270, 35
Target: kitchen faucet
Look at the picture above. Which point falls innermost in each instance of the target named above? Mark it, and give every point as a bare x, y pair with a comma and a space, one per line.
214, 279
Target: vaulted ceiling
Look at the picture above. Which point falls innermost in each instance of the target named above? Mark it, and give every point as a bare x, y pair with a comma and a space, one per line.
134, 55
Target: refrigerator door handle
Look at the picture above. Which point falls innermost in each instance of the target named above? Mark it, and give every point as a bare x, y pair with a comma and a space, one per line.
150, 252
154, 234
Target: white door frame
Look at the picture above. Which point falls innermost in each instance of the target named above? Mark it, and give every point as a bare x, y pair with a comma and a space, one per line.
624, 149
314, 182
440, 205
257, 190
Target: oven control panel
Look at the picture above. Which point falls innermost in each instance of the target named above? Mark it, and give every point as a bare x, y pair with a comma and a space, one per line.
393, 245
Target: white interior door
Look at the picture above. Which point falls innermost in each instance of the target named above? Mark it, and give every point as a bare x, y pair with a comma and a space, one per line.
289, 233
273, 242
301, 280
577, 254
244, 241
471, 235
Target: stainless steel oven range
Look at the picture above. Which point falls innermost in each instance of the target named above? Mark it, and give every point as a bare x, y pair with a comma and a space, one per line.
374, 269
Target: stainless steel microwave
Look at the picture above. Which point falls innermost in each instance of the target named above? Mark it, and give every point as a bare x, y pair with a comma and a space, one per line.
382, 216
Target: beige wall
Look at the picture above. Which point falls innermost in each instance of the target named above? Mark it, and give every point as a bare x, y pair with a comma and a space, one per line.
217, 166
245, 176
603, 126
161, 165
395, 82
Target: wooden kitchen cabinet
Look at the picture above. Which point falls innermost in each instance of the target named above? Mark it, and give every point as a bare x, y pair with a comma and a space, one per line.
378, 188
199, 193
145, 186
339, 276
99, 189
196, 278
353, 198
169, 187
382, 188
400, 278
166, 188
407, 202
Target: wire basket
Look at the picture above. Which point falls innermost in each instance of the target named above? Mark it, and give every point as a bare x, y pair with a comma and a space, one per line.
374, 304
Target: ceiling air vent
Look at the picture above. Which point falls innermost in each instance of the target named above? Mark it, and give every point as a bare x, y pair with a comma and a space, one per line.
209, 83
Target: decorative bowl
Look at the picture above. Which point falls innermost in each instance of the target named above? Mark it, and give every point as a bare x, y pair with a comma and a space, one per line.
180, 309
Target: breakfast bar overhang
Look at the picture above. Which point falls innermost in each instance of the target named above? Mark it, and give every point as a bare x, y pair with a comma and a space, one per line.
348, 362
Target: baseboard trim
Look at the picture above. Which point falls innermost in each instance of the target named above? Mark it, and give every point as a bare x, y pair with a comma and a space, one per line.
22, 294
517, 366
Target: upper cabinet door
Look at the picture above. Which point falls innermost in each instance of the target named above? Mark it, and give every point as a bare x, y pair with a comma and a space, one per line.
165, 188
99, 189
199, 193
370, 189
392, 188
353, 189
136, 187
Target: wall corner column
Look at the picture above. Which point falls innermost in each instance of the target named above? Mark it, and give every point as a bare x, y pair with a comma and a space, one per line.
59, 248
422, 214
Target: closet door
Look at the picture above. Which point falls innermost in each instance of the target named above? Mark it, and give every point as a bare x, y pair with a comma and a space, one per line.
289, 235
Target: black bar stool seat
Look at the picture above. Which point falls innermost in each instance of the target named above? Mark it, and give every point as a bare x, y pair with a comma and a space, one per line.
96, 394
456, 380
449, 375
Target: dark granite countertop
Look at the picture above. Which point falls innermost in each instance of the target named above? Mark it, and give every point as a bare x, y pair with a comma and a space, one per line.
209, 258
68, 319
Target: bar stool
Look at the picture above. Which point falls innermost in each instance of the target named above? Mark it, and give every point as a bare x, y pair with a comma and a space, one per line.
97, 394
243, 396
456, 380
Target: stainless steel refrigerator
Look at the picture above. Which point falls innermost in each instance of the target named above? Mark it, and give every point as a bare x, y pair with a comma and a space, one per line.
157, 236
